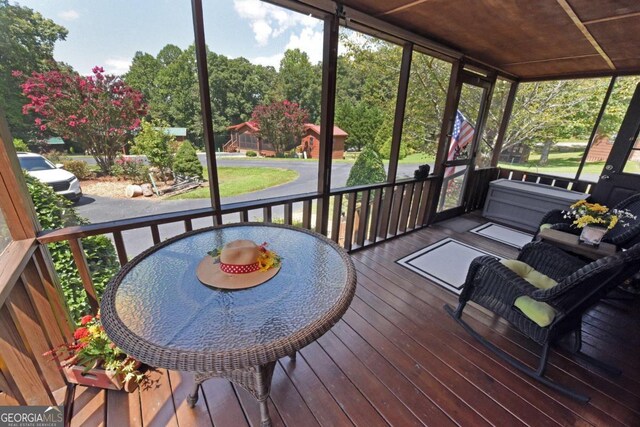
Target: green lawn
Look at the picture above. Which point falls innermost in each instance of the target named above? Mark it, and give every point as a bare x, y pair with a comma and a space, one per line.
563, 163
240, 180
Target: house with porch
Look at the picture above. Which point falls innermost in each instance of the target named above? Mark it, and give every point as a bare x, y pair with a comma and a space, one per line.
244, 137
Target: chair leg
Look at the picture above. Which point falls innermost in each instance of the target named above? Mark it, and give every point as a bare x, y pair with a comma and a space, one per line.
544, 358
537, 375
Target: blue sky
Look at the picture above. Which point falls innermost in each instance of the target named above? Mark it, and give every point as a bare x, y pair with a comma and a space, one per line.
109, 32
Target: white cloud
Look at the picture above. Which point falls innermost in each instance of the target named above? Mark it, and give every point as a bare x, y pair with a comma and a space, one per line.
268, 21
310, 41
69, 15
117, 65
273, 60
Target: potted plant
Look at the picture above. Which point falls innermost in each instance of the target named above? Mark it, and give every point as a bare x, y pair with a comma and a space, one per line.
92, 359
595, 220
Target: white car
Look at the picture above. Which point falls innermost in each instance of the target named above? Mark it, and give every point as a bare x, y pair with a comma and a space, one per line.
63, 182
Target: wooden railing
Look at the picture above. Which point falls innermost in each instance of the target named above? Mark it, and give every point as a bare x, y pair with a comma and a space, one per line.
358, 217
32, 321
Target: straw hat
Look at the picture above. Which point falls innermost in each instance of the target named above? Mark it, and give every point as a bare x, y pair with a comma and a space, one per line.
236, 267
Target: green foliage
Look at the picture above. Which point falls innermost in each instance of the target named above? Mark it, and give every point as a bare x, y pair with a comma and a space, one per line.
237, 87
360, 120
299, 81
27, 41
79, 168
385, 150
55, 212
133, 170
157, 145
367, 169
186, 162
20, 145
251, 154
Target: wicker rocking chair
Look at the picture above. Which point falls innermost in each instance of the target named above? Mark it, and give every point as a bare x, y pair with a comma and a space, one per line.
623, 237
579, 286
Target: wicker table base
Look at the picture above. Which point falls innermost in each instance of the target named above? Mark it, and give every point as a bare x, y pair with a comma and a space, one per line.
255, 379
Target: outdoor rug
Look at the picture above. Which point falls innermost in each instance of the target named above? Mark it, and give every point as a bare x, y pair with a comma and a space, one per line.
503, 234
445, 263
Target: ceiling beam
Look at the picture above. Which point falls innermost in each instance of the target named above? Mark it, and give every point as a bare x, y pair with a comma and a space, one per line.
537, 61
403, 7
612, 18
580, 25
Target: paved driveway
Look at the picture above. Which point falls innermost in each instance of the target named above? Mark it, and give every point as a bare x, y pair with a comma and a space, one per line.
101, 209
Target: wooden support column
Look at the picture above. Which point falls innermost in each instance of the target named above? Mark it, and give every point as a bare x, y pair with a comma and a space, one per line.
453, 94
594, 131
328, 101
205, 105
398, 121
504, 124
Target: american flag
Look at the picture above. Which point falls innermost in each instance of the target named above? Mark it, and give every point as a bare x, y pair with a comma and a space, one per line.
460, 138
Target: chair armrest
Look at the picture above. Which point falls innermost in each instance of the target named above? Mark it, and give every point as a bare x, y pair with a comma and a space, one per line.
555, 216
566, 227
550, 260
487, 277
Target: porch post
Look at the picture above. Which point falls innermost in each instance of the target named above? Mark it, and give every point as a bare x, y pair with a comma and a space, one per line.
205, 104
603, 107
329, 74
453, 94
504, 124
401, 101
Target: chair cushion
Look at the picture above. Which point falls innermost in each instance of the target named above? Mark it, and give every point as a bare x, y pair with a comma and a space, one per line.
545, 227
539, 312
529, 274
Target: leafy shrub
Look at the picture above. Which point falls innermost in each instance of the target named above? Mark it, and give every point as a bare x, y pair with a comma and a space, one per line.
20, 145
385, 150
133, 170
157, 145
251, 154
79, 168
186, 162
368, 169
55, 212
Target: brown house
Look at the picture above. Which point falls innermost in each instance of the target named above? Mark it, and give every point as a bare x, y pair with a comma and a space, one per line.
244, 137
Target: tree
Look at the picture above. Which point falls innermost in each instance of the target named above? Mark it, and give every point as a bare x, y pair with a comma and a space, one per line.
142, 74
99, 111
299, 81
368, 169
27, 40
186, 162
176, 97
154, 142
237, 87
281, 124
360, 120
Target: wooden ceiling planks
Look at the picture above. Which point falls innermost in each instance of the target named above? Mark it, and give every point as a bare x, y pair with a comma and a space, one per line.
532, 40
590, 10
616, 38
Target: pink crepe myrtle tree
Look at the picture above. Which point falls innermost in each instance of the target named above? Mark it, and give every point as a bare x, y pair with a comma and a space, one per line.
281, 123
98, 111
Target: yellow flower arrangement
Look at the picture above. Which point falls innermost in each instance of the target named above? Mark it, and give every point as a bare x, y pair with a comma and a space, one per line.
584, 213
268, 259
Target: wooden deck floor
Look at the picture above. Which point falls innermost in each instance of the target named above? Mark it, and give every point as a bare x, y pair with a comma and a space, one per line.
397, 358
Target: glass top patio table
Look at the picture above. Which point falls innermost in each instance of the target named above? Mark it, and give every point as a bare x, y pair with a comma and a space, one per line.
157, 310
